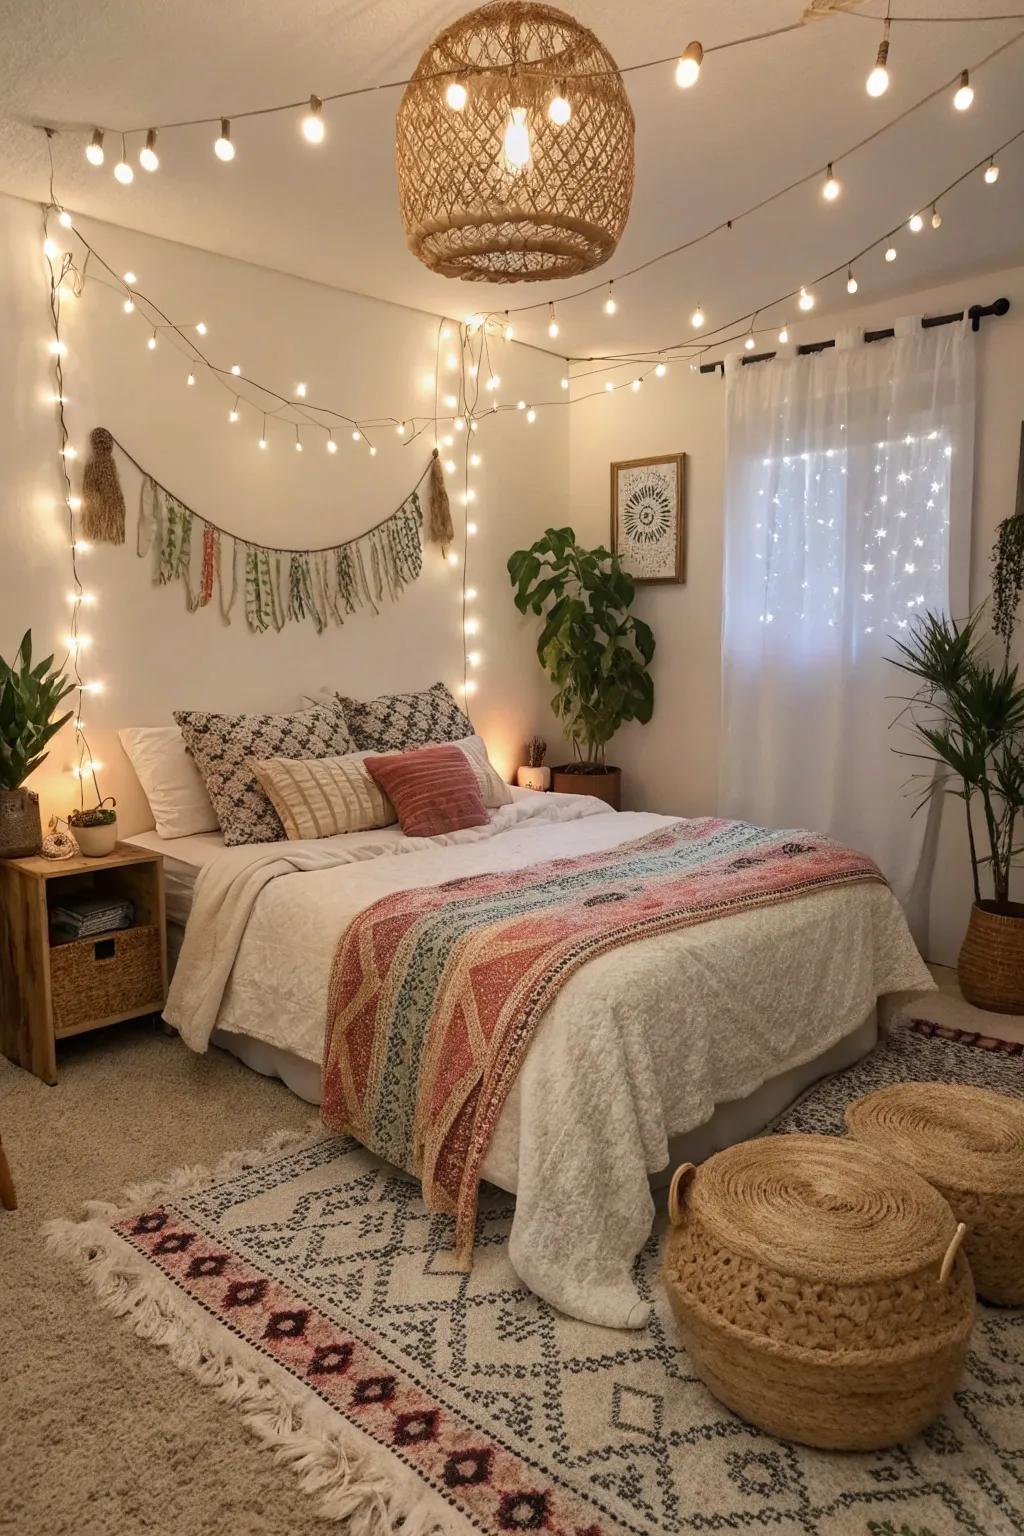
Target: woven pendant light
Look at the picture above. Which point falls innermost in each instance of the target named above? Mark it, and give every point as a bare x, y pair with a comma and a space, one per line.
496, 190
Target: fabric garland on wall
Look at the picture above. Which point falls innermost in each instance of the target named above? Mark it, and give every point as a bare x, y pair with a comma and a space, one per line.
274, 586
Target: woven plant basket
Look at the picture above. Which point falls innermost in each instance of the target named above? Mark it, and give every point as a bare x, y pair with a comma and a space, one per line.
21, 831
820, 1289
990, 966
969, 1144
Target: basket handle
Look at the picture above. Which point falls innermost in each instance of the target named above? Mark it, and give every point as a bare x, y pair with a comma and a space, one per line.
952, 1251
682, 1176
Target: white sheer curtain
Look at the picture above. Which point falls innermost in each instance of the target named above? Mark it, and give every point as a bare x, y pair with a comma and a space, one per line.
848, 495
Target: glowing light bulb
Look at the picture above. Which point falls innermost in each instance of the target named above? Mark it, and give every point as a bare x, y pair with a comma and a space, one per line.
356, 435
890, 253
401, 429
460, 425
148, 157
471, 594
508, 330
688, 67
448, 440
190, 380
610, 305
564, 382
471, 529
300, 390
475, 460
991, 172
878, 80
552, 322
58, 348
261, 442
449, 466
223, 147
936, 218
473, 657
236, 369
452, 557
298, 442
749, 343
51, 250
123, 172
151, 343
915, 223
332, 446
456, 95
128, 306
531, 415
64, 219
806, 300
560, 107
471, 626
964, 93
832, 188
201, 328
851, 282
660, 371
81, 546
468, 687
129, 278
94, 149
75, 503
518, 151
697, 318
313, 127
451, 401
609, 386
233, 413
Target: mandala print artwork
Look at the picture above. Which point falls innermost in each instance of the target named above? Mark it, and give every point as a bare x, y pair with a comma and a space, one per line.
648, 517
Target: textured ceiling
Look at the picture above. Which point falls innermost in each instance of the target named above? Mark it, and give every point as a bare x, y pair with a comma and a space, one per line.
759, 117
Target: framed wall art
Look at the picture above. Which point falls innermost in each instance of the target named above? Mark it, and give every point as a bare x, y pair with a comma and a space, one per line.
649, 517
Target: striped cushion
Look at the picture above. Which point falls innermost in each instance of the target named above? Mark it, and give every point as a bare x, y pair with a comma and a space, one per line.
322, 797
433, 789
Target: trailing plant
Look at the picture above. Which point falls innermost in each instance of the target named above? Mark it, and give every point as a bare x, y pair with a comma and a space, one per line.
29, 697
593, 649
969, 716
1007, 576
94, 816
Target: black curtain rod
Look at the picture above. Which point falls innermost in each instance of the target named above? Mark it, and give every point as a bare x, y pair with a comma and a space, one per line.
975, 314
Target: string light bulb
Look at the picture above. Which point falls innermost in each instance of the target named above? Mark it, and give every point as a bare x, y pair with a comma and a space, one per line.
261, 441
688, 67
890, 252
832, 188
806, 300
560, 107
531, 415
610, 305
964, 92
401, 429
148, 157
355, 434
201, 328
552, 322
123, 171
507, 330
915, 223
190, 380
660, 371
151, 343
936, 218
878, 80
564, 381
300, 390
94, 148
64, 219
332, 446
236, 369
697, 318
129, 278
298, 439
313, 127
991, 173
233, 413
223, 147
456, 95
749, 343
518, 150
851, 282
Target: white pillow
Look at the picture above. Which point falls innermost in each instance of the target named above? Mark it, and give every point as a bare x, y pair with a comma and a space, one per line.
170, 780
493, 788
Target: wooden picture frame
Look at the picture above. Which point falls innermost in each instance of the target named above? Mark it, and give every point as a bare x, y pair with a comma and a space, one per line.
648, 524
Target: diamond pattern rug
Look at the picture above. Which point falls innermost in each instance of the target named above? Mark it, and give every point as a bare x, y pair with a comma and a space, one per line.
310, 1287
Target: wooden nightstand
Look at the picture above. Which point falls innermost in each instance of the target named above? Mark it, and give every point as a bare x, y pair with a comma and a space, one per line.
50, 989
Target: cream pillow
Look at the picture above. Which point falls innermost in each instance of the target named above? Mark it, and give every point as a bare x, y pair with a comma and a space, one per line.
170, 780
331, 796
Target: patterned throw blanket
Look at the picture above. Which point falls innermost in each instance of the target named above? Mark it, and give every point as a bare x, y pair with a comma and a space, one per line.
436, 993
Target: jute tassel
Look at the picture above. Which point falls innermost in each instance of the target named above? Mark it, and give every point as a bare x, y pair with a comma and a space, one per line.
102, 499
440, 529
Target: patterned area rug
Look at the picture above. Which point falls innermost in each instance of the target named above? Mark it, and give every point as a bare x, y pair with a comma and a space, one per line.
309, 1287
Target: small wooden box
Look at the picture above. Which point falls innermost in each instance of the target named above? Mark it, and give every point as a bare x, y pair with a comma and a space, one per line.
50, 989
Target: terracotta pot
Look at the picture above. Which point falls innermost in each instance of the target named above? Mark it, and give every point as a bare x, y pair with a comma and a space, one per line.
605, 784
991, 962
96, 842
534, 778
21, 831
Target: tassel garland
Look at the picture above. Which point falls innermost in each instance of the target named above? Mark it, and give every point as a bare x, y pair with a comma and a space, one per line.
441, 530
103, 514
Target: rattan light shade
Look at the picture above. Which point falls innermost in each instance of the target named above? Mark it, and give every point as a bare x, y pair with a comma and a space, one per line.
466, 213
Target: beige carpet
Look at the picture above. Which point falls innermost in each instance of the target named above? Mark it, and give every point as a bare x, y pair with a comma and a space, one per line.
101, 1435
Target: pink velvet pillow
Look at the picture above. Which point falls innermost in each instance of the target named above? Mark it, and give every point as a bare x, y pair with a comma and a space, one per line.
433, 789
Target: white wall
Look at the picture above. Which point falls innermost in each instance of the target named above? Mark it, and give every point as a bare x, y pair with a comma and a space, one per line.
361, 356
672, 764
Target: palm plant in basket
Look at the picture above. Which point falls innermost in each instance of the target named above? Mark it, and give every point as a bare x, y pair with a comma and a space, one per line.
967, 713
29, 697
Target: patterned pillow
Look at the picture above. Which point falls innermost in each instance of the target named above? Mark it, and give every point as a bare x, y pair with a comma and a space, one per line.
395, 721
222, 746
324, 796
434, 790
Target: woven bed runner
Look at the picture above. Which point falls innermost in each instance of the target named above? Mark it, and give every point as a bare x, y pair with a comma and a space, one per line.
437, 992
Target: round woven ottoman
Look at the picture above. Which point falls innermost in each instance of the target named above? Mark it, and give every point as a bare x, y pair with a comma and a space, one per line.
969, 1144
820, 1289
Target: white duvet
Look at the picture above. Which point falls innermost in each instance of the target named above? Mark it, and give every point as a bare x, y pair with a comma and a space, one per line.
640, 1045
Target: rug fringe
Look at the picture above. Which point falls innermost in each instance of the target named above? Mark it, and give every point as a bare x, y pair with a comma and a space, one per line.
353, 1480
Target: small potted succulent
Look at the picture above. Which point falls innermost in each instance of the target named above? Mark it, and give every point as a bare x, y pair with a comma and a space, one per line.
29, 697
534, 775
95, 829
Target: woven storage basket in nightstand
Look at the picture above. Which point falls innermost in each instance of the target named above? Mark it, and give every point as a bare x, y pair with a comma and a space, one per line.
819, 1289
969, 1144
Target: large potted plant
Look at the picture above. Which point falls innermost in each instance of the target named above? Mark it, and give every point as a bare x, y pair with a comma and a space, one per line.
968, 715
595, 651
29, 697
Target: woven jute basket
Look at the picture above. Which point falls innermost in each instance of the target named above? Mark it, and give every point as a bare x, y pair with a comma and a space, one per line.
21, 831
969, 1144
820, 1289
111, 974
990, 967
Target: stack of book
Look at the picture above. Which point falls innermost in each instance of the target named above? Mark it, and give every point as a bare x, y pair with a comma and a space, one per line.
85, 919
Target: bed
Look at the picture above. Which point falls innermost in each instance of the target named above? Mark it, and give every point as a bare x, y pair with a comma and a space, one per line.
652, 1054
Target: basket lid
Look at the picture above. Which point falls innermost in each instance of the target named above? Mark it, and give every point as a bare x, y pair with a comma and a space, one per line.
821, 1208
956, 1136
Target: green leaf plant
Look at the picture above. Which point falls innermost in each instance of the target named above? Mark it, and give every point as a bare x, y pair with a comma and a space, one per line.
968, 716
29, 697
594, 650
